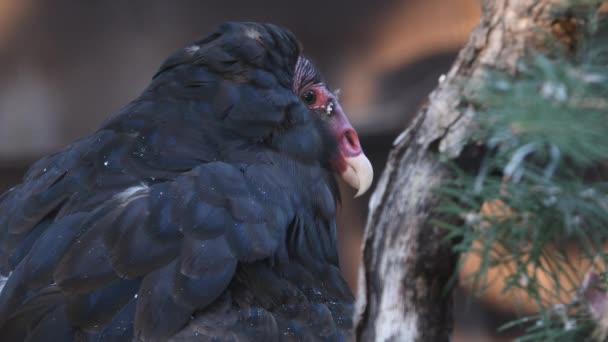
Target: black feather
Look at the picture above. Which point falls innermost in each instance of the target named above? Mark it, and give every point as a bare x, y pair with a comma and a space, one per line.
203, 210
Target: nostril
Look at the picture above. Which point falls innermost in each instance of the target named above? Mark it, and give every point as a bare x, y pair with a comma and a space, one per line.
351, 140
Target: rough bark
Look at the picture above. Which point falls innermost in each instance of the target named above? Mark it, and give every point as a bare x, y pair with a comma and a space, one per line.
406, 262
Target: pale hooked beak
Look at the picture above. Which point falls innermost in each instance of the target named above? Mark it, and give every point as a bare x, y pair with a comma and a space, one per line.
359, 173
351, 164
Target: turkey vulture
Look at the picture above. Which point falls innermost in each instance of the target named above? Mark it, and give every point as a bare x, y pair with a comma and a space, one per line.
204, 210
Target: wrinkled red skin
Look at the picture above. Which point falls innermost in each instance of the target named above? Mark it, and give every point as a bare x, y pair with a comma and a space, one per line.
348, 140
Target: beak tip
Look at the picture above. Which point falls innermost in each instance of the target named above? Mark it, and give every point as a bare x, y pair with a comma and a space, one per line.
359, 173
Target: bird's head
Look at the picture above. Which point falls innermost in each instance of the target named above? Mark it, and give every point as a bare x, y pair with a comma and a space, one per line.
349, 162
254, 79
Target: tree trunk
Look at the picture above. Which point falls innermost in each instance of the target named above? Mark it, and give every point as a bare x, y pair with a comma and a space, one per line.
403, 293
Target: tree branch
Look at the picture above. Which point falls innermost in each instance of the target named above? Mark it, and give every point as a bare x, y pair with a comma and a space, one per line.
406, 262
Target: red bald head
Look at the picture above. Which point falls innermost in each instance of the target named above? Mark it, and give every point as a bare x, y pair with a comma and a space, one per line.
351, 163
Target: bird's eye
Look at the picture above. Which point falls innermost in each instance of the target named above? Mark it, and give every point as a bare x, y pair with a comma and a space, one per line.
309, 96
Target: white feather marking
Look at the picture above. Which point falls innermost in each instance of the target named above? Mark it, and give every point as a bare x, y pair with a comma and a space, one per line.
252, 33
132, 193
3, 281
192, 49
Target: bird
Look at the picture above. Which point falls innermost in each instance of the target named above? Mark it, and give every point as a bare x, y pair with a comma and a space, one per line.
203, 210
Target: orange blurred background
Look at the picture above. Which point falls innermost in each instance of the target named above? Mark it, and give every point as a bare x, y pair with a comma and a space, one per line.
68, 65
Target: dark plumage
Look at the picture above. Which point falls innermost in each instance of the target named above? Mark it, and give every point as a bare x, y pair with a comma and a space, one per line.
203, 210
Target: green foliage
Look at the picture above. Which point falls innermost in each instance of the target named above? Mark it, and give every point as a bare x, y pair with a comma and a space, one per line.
542, 184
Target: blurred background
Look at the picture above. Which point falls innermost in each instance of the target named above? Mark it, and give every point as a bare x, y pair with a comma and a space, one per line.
65, 66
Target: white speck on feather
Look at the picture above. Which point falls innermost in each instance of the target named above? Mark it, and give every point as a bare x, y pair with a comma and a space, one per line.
3, 281
132, 193
329, 109
105, 163
252, 33
192, 48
